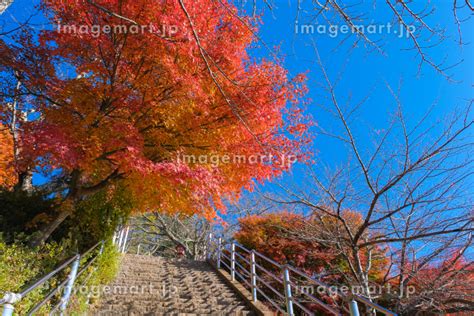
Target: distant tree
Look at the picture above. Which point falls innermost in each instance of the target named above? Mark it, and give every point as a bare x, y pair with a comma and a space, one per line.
411, 188
444, 287
160, 234
272, 235
283, 237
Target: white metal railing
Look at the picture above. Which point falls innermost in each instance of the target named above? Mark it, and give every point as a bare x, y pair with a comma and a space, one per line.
120, 238
252, 269
8, 301
66, 286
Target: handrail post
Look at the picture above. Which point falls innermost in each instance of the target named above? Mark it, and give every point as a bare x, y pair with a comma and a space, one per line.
353, 308
120, 237
219, 250
127, 230
287, 287
10, 299
253, 275
209, 246
70, 284
101, 250
232, 261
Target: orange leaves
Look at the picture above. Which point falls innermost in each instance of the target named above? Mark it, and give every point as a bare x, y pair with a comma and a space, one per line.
118, 96
309, 242
454, 273
274, 236
7, 171
448, 280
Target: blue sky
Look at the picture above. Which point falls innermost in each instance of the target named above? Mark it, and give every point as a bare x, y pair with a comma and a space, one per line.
367, 71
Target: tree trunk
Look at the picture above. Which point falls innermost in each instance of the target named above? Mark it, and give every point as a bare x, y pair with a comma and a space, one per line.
25, 181
49, 228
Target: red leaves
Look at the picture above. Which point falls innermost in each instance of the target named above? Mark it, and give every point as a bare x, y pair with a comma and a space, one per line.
111, 98
273, 235
453, 275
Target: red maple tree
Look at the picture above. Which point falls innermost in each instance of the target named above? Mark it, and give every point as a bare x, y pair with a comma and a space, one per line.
115, 104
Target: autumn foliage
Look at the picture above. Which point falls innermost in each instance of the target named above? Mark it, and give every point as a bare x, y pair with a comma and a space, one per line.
7, 171
126, 106
294, 239
445, 287
273, 236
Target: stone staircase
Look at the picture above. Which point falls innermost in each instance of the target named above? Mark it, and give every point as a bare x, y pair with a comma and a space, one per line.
160, 286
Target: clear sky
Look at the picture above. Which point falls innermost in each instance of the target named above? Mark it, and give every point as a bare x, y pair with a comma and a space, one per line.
366, 71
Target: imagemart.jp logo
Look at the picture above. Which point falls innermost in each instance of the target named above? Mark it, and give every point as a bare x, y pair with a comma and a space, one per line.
335, 30
4, 4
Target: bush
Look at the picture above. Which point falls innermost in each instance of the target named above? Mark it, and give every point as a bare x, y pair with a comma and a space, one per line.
101, 273
20, 265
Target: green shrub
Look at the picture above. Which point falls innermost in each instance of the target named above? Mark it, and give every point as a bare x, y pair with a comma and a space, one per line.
90, 282
20, 265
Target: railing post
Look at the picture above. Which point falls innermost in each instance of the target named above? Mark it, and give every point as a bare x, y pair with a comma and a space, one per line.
138, 249
353, 308
232, 261
253, 275
101, 250
209, 246
287, 287
70, 284
219, 250
120, 238
10, 299
125, 239
114, 237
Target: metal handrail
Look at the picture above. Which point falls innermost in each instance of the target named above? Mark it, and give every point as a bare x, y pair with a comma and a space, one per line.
270, 287
10, 299
119, 239
225, 264
271, 301
242, 257
373, 305
48, 276
47, 297
243, 248
242, 277
247, 273
268, 259
304, 275
269, 273
321, 303
230, 252
225, 256
301, 306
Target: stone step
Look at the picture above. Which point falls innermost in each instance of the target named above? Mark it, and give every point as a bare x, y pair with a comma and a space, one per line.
159, 286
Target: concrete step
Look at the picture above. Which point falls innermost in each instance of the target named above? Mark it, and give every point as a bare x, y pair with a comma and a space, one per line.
159, 286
